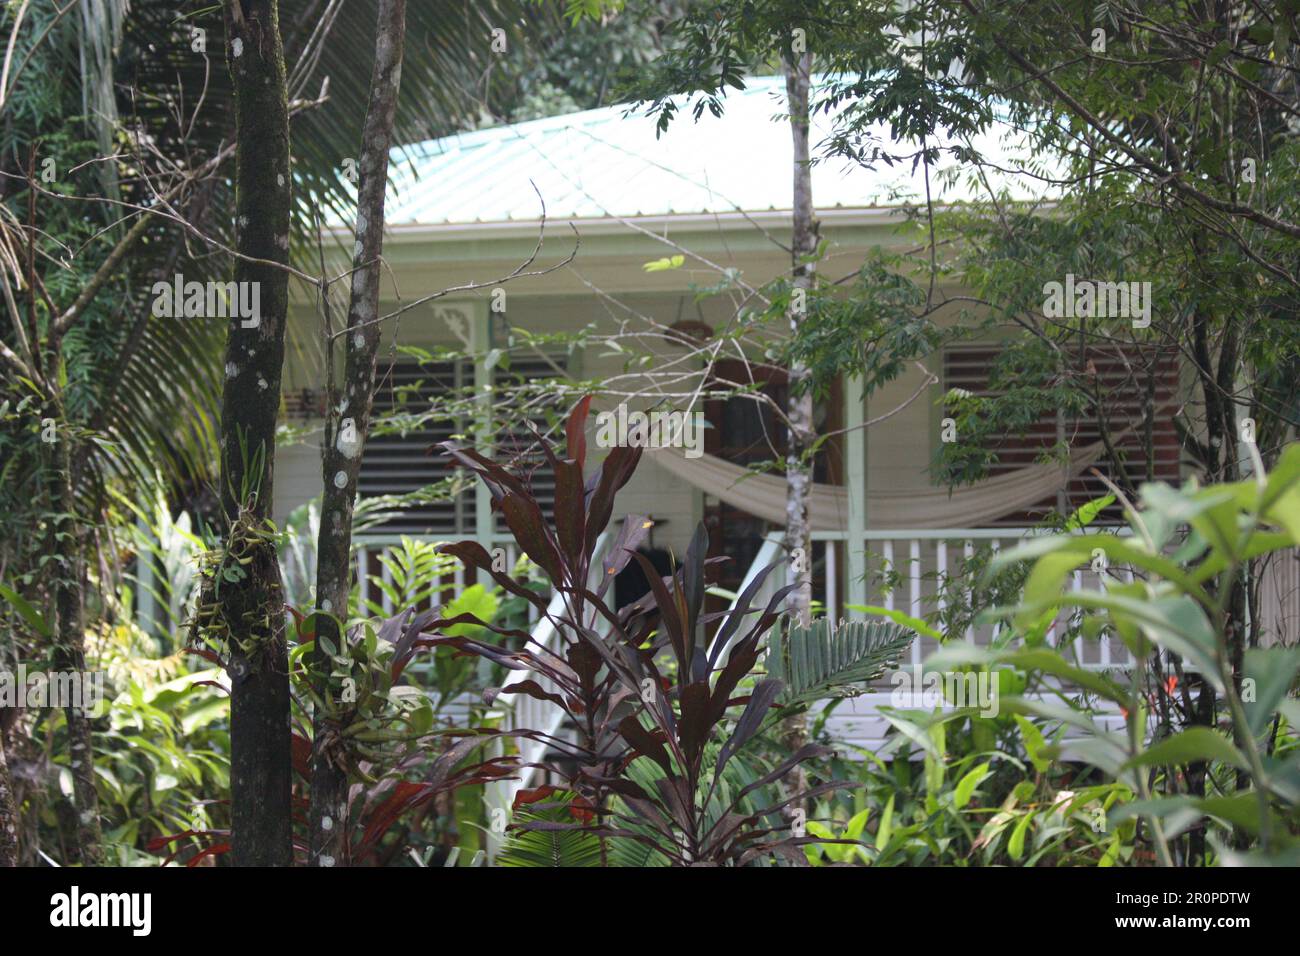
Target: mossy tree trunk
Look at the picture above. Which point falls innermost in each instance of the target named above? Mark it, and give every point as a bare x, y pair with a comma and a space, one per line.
8, 811
71, 656
69, 652
347, 424
260, 781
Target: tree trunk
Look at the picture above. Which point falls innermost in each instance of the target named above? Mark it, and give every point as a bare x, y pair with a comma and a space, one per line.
799, 401
252, 608
70, 637
8, 812
345, 433
799, 408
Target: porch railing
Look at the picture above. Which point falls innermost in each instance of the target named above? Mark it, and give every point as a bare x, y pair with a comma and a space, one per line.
919, 571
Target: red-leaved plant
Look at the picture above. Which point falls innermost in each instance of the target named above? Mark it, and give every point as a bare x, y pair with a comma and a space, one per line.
651, 749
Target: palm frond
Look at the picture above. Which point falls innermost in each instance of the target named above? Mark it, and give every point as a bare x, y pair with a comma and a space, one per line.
549, 848
98, 38
826, 660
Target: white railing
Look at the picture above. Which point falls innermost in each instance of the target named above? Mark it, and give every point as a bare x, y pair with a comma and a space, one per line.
917, 570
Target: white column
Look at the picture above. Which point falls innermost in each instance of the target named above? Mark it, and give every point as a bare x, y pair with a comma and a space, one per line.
480, 346
855, 478
145, 605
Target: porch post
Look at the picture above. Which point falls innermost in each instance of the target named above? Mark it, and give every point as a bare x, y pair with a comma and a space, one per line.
146, 612
496, 793
480, 346
855, 478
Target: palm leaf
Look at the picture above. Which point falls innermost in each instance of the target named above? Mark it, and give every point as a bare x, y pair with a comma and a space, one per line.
156, 394
824, 660
549, 848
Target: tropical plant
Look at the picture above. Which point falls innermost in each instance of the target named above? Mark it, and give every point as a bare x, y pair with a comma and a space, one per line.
664, 707
826, 660
982, 794
533, 843
162, 758
1233, 777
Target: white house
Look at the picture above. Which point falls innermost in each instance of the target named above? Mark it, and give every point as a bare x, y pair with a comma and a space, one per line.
468, 210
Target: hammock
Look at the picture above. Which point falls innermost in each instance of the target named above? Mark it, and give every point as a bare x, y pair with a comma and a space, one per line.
764, 495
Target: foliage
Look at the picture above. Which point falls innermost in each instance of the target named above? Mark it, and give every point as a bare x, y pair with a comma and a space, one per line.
1178, 608
534, 844
650, 689
981, 795
382, 729
162, 760
824, 660
581, 62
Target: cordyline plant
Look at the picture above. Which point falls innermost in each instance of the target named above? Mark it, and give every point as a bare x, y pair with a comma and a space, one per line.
378, 730
650, 694
574, 674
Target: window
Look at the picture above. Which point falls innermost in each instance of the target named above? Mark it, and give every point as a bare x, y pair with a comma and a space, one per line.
397, 464
1123, 386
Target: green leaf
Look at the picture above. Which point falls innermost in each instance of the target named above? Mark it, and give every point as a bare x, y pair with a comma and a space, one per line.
476, 600
665, 264
1176, 622
1280, 501
823, 660
1241, 809
898, 617
857, 823
35, 620
1016, 844
1192, 745
885, 830
1087, 513
1272, 671
549, 848
1118, 551
1045, 660
966, 786
1034, 743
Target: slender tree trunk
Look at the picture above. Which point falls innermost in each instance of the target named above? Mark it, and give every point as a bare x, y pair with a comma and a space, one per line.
72, 657
799, 401
799, 408
345, 432
70, 635
252, 607
8, 812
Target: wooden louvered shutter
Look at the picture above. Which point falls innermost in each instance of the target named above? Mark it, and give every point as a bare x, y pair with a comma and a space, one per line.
1124, 392
395, 464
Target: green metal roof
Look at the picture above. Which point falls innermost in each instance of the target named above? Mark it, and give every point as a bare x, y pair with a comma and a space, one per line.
607, 163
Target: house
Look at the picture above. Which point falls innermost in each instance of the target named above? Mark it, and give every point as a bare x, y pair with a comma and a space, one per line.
468, 211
